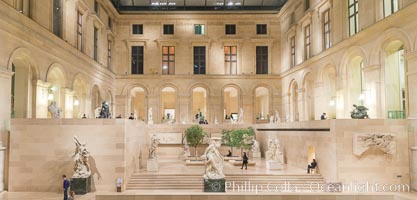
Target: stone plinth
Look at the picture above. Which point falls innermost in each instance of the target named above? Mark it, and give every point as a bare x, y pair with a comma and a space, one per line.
152, 165
215, 185
239, 162
274, 165
231, 158
81, 185
414, 168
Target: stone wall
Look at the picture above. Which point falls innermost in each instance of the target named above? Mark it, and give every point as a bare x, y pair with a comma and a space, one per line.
136, 147
41, 150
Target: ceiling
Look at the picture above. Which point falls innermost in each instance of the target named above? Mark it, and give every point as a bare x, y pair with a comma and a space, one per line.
197, 5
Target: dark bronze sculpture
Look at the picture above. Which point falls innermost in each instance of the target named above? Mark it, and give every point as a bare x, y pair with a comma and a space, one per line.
105, 111
360, 112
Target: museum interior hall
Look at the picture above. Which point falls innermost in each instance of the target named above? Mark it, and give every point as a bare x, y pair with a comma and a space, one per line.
207, 99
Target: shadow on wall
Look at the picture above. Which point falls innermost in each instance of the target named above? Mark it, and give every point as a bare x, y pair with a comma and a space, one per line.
94, 171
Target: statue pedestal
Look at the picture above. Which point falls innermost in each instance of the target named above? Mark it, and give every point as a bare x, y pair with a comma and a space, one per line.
215, 185
81, 185
152, 165
274, 165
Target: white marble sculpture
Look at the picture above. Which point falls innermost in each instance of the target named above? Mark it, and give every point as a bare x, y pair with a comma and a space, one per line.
54, 110
150, 119
274, 157
81, 155
97, 112
153, 147
135, 115
240, 117
276, 117
213, 160
364, 142
256, 152
215, 120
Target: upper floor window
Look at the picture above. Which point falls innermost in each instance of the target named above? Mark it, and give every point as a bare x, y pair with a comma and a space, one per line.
261, 29
307, 4
109, 53
137, 60
230, 55
137, 28
292, 47
390, 7
199, 60
230, 29
262, 60
307, 42
110, 22
96, 7
79, 31
199, 29
353, 17
57, 18
168, 60
95, 44
326, 29
168, 29
292, 18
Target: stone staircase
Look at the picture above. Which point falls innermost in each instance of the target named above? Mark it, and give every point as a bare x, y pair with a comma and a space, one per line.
195, 181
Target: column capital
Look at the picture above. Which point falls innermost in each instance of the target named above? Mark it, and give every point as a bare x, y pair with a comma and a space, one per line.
4, 73
41, 83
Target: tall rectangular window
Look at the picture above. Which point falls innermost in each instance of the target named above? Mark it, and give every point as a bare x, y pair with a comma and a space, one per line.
168, 60
230, 29
137, 29
95, 44
57, 18
168, 29
307, 42
137, 60
292, 43
353, 17
199, 29
307, 4
261, 60
110, 22
79, 31
261, 29
326, 29
96, 7
230, 55
390, 7
109, 53
199, 60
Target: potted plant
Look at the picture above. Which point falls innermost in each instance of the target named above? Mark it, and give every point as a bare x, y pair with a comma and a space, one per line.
195, 136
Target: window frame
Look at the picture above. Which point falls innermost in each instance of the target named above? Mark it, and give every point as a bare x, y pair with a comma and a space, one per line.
95, 45
201, 28
137, 29
393, 9
228, 58
326, 33
355, 16
109, 52
262, 58
307, 42
167, 27
139, 57
292, 51
230, 29
79, 40
200, 62
169, 61
261, 29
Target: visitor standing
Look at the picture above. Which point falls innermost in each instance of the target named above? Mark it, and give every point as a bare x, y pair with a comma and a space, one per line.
229, 154
313, 165
131, 117
66, 185
245, 161
323, 116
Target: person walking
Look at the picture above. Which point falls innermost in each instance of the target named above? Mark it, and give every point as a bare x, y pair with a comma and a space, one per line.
245, 161
66, 185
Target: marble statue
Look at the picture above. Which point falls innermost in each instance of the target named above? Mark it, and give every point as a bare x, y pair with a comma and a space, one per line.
82, 166
54, 110
105, 111
135, 114
215, 120
214, 160
97, 112
154, 145
359, 112
240, 118
150, 119
365, 142
276, 117
255, 147
271, 119
274, 157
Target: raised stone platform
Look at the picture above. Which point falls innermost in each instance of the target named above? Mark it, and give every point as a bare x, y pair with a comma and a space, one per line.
194, 163
239, 162
231, 158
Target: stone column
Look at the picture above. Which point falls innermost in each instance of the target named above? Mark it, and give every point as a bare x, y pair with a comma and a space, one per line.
302, 109
121, 107
414, 168
40, 101
68, 106
2, 150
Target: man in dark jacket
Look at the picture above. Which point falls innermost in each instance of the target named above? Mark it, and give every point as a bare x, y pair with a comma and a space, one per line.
313, 165
66, 185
